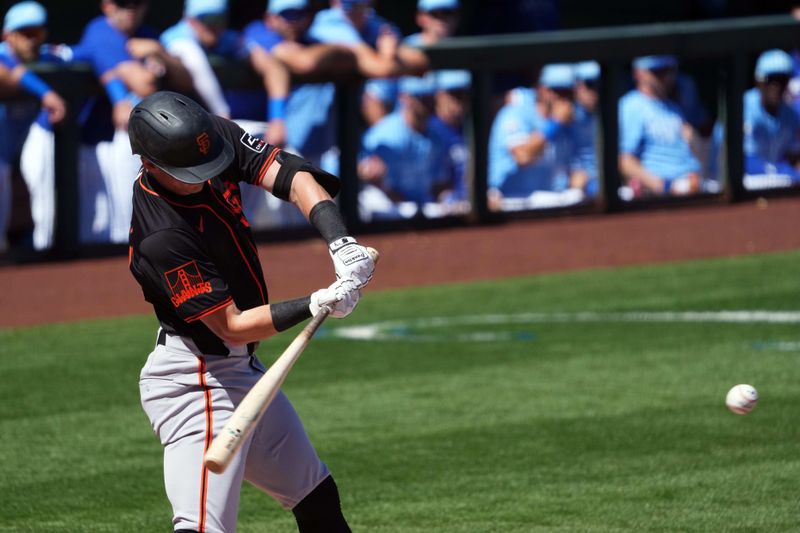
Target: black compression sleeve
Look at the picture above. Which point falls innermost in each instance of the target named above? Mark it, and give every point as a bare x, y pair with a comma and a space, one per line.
321, 510
325, 216
289, 313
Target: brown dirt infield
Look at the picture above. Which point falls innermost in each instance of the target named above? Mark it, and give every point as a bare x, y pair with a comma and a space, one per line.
60, 292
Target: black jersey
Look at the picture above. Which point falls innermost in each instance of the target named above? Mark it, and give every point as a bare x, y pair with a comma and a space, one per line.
195, 254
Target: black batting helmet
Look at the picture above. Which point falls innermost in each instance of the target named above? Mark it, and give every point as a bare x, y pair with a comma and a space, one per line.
178, 136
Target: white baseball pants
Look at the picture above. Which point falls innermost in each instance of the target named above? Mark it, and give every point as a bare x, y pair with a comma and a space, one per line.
187, 397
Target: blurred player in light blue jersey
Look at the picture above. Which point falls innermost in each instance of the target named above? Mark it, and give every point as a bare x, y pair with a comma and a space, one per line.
531, 147
771, 125
376, 45
280, 46
682, 89
452, 90
403, 165
437, 20
655, 156
26, 127
130, 63
584, 171
203, 31
355, 24
301, 115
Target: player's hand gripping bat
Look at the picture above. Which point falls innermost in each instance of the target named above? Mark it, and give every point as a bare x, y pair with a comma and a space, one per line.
246, 416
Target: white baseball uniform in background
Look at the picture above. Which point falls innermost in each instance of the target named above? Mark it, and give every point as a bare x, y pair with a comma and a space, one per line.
93, 199
37, 164
119, 168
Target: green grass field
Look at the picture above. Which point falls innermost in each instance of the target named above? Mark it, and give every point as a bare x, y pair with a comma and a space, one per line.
552, 407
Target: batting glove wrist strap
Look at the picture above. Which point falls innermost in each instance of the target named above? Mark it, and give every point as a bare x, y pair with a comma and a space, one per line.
338, 244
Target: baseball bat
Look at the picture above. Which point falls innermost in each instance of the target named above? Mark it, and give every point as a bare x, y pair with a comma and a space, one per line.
246, 416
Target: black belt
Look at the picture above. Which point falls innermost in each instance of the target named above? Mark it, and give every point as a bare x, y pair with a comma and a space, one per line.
162, 340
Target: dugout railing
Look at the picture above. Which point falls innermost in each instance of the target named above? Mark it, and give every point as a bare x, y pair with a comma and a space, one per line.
727, 45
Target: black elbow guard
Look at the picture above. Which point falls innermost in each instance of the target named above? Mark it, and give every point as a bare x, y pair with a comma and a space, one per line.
291, 165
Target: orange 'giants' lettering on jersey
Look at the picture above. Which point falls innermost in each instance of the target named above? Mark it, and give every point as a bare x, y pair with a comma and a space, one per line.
185, 282
204, 143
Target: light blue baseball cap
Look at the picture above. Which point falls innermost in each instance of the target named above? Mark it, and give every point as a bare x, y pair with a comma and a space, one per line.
25, 15
453, 80
418, 86
431, 5
655, 62
557, 76
198, 8
279, 6
587, 71
773, 62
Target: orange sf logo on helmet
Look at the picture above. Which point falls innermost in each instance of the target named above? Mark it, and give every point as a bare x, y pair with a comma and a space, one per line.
204, 143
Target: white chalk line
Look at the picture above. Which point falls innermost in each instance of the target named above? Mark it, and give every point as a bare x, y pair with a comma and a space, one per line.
407, 329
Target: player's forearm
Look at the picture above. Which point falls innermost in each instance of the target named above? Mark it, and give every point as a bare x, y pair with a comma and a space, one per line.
328, 59
632, 168
307, 192
578, 179
177, 77
136, 78
373, 65
237, 327
275, 75
9, 82
413, 60
318, 59
529, 151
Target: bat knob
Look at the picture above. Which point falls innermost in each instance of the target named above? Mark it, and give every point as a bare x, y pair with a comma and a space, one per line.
214, 466
374, 255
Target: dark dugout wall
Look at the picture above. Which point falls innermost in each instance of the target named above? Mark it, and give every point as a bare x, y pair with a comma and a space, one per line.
67, 18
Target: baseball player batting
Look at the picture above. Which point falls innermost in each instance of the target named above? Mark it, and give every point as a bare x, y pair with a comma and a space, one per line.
192, 252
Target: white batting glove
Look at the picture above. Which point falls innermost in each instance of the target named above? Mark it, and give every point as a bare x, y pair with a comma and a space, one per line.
351, 260
341, 298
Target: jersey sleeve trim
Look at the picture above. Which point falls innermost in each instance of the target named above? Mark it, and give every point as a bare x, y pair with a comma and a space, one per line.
268, 163
210, 310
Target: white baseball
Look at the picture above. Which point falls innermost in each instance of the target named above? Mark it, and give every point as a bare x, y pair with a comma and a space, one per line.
741, 399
